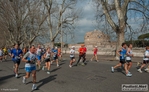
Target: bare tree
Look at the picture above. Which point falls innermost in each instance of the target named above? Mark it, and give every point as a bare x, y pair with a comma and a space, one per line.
21, 20
61, 14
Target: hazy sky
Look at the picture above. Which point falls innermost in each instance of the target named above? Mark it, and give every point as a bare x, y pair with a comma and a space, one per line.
86, 21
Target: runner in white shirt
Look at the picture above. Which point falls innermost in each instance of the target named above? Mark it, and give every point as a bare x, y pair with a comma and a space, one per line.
145, 59
39, 55
1, 55
30, 66
47, 60
72, 56
128, 59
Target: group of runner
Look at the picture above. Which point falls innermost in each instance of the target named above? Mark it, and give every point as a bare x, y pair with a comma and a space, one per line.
33, 56
125, 55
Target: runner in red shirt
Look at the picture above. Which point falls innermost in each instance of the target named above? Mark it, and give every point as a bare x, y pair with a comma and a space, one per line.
82, 53
95, 50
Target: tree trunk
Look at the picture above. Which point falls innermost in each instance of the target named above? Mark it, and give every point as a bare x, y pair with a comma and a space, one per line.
52, 43
120, 40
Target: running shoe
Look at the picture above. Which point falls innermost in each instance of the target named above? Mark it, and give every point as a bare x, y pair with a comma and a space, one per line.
43, 68
146, 69
82, 64
34, 87
16, 75
48, 72
139, 70
128, 75
112, 69
70, 66
57, 65
24, 80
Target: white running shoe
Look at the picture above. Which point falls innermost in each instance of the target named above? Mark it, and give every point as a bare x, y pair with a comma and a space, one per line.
139, 70
70, 66
48, 72
146, 69
24, 80
128, 75
34, 87
43, 68
57, 65
16, 75
112, 69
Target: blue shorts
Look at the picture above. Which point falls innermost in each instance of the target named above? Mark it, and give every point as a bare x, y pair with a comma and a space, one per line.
38, 57
30, 69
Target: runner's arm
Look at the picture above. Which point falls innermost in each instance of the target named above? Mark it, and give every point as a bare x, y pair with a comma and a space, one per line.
118, 52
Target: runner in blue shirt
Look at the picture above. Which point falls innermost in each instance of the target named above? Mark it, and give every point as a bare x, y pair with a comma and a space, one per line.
122, 53
16, 55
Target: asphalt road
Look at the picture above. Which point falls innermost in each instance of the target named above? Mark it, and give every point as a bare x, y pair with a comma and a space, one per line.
93, 77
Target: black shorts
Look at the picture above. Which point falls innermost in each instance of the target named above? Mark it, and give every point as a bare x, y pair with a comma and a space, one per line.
72, 58
47, 60
128, 61
17, 61
145, 61
55, 57
122, 61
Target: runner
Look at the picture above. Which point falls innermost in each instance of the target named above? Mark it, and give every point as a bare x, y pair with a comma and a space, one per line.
122, 54
47, 56
1, 55
72, 56
59, 54
145, 60
55, 56
16, 55
95, 50
39, 54
82, 54
30, 66
5, 53
128, 59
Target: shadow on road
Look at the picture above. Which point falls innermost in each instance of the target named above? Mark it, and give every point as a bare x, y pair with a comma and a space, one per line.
56, 69
5, 78
120, 70
46, 80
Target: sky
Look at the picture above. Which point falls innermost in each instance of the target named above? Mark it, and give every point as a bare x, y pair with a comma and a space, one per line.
86, 21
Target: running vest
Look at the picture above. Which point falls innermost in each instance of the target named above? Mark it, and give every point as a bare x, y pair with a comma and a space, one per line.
47, 55
30, 56
123, 53
72, 53
39, 52
129, 57
146, 54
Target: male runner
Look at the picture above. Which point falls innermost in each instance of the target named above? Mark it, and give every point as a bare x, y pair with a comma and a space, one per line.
16, 55
39, 55
72, 56
30, 65
128, 59
145, 60
82, 54
122, 54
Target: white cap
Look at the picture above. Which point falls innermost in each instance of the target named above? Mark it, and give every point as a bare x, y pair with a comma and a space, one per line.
73, 47
55, 47
96, 46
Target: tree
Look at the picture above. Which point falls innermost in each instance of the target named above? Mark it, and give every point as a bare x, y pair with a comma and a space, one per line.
21, 20
61, 15
116, 14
